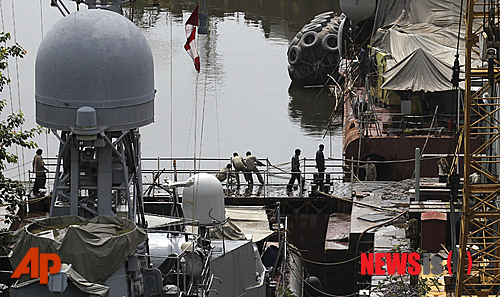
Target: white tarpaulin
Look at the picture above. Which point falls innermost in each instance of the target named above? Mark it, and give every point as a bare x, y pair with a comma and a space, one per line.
401, 43
419, 72
442, 13
421, 36
244, 222
250, 220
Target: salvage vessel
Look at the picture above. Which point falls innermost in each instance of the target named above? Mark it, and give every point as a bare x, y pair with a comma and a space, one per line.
401, 96
395, 86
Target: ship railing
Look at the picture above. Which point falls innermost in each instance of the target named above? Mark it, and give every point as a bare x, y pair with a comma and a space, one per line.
401, 123
275, 176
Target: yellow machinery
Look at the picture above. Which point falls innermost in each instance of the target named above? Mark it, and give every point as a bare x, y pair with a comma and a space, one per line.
480, 222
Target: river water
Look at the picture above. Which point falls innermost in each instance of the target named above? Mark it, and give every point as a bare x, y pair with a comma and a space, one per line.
241, 100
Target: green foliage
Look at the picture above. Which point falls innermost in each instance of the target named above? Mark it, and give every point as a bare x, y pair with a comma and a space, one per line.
11, 191
284, 292
5, 52
397, 286
9, 136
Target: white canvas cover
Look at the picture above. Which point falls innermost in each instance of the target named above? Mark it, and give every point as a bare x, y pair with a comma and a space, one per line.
431, 26
401, 43
419, 72
441, 13
250, 220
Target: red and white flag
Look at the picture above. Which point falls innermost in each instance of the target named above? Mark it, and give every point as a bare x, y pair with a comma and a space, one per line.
190, 45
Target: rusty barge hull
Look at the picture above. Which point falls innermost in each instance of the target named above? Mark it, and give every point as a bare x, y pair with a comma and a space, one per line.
396, 154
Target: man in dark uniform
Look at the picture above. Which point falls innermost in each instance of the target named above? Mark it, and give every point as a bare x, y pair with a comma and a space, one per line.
295, 172
320, 164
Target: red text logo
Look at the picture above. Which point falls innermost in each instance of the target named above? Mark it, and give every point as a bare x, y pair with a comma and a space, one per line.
39, 265
402, 263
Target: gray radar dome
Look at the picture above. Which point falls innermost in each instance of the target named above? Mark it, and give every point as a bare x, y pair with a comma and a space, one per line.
99, 59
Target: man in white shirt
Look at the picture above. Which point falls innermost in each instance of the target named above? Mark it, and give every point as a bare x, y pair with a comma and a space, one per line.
252, 162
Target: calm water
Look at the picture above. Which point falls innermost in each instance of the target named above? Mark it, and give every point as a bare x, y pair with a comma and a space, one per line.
241, 100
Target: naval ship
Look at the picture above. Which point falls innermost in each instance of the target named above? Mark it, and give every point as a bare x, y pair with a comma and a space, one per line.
94, 78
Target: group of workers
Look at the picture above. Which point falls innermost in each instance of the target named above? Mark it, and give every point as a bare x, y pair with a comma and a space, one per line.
247, 166
296, 174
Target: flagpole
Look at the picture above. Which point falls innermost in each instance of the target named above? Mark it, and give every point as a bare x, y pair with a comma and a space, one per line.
190, 47
171, 84
195, 120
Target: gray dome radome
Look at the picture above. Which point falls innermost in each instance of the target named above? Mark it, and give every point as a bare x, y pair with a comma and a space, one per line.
99, 59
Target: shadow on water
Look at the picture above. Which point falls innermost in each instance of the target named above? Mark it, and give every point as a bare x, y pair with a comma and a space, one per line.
309, 109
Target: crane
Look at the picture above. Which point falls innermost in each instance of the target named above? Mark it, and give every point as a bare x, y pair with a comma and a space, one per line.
480, 219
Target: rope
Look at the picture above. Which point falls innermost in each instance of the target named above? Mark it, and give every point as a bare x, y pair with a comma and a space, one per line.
459, 23
41, 18
370, 228
392, 161
368, 186
18, 165
359, 180
217, 118
47, 141
278, 168
38, 199
457, 150
18, 83
3, 24
331, 263
282, 164
15, 41
429, 134
8, 77
17, 176
171, 81
203, 116
195, 110
190, 130
30, 200
361, 203
194, 115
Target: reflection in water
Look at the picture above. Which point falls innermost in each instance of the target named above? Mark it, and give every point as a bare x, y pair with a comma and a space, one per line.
289, 15
311, 110
277, 19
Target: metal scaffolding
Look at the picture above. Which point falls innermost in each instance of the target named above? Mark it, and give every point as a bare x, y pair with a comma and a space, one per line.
480, 222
